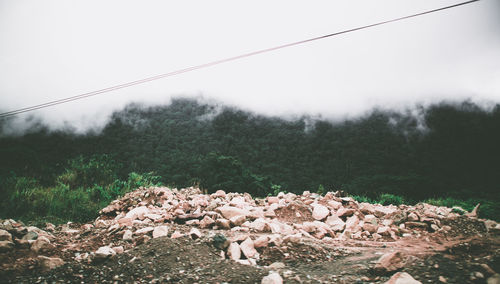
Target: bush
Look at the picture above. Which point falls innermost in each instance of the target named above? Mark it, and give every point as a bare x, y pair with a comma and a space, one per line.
83, 172
360, 199
321, 190
388, 199
66, 202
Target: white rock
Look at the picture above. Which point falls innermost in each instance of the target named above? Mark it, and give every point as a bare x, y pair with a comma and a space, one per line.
160, 231
335, 205
153, 217
272, 278
229, 212
248, 249
127, 235
295, 238
276, 266
137, 213
144, 231
206, 222
237, 220
234, 251
335, 223
320, 212
370, 219
104, 253
260, 225
195, 233
390, 262
402, 278
413, 217
261, 242
352, 223
118, 249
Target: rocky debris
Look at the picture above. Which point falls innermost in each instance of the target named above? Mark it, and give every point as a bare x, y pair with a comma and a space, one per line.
328, 216
246, 230
402, 278
272, 278
390, 262
49, 263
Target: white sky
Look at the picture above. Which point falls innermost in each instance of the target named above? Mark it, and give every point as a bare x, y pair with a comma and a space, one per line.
58, 48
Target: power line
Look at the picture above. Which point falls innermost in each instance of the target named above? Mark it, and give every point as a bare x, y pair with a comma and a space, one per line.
196, 67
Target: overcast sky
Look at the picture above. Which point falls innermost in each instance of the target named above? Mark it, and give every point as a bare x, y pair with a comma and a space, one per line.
58, 48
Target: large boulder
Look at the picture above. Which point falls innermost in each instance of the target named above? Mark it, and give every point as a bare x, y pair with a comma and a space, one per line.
234, 251
335, 223
320, 212
248, 249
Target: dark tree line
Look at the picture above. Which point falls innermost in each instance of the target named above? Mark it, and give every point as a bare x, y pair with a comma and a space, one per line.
449, 150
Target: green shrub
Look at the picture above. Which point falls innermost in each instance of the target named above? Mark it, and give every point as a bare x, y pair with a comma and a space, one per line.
360, 199
65, 202
321, 190
388, 199
86, 172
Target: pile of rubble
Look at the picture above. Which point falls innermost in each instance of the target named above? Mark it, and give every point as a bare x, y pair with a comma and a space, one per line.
240, 226
282, 218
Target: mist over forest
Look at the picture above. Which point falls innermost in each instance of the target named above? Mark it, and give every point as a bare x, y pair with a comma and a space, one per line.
448, 150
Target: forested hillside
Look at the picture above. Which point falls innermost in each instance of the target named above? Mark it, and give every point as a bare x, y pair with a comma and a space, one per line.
450, 150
